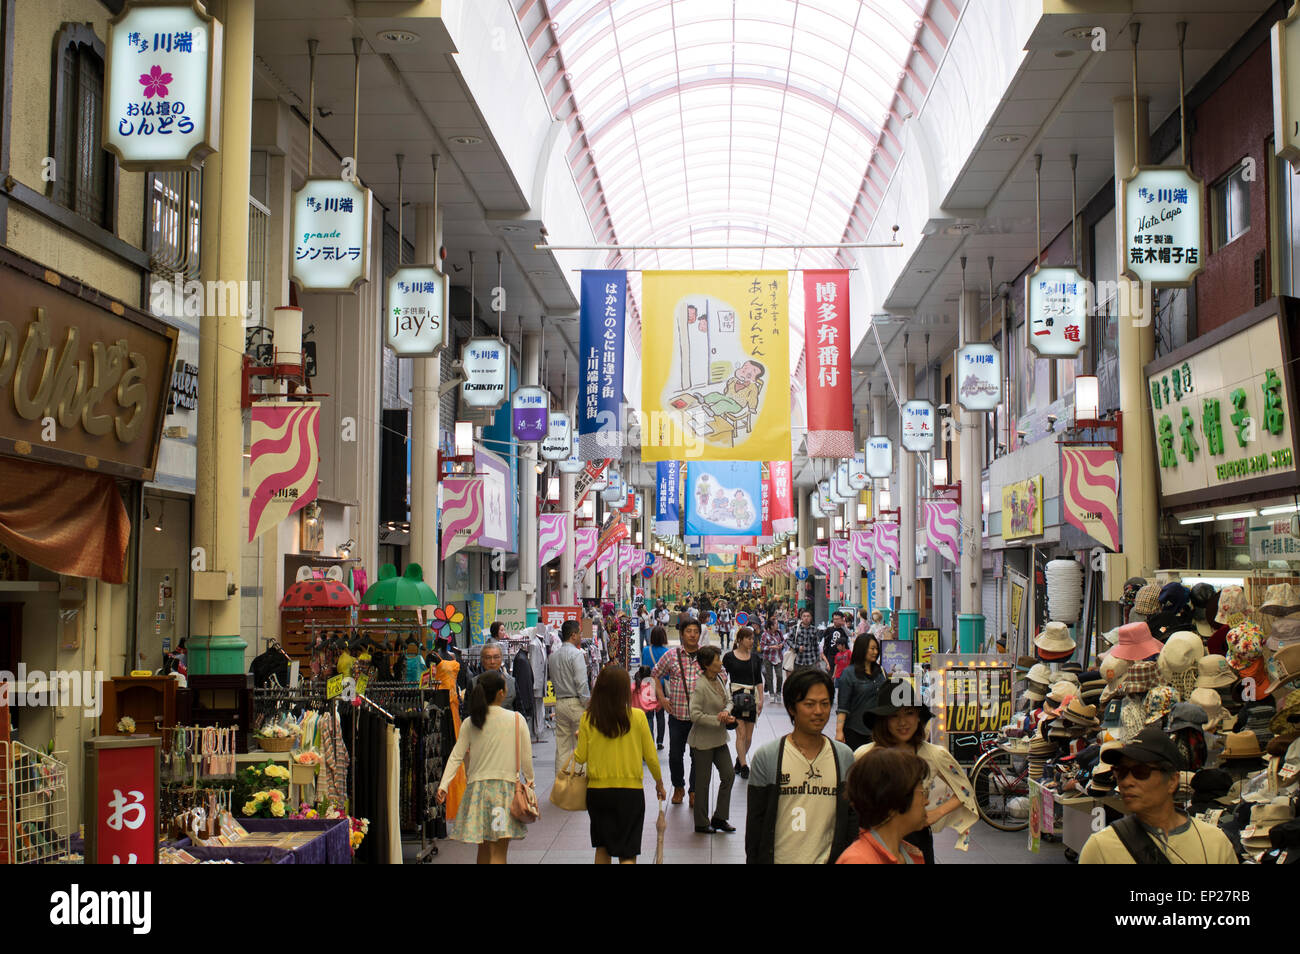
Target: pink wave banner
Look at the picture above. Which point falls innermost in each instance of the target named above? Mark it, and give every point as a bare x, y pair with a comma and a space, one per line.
462, 513
822, 559
863, 543
942, 526
840, 553
284, 447
887, 543
1090, 492
554, 531
584, 547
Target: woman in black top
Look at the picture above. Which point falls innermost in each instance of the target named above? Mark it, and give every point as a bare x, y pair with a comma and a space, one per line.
745, 676
857, 692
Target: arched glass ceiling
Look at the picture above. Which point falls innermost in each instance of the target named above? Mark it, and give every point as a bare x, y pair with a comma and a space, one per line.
733, 121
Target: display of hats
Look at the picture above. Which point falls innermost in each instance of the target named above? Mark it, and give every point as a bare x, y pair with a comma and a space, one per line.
1187, 715
1064, 590
1285, 834
1147, 600
1202, 593
1135, 643
1175, 596
1213, 672
1180, 652
1208, 700
1213, 785
1139, 680
1068, 675
1280, 599
1054, 643
1242, 745
1284, 632
1112, 667
1040, 673
1257, 718
1286, 721
1264, 816
1080, 713
1111, 636
1284, 666
1159, 702
1290, 771
1131, 587
1232, 602
1245, 645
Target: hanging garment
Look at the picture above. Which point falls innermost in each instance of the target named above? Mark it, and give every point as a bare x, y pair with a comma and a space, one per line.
523, 673
448, 676
393, 768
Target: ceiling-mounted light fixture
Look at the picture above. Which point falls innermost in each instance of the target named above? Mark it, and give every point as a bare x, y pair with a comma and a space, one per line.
162, 512
466, 140
344, 550
399, 36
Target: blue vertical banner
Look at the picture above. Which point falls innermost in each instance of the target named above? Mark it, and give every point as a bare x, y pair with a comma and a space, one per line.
600, 364
668, 509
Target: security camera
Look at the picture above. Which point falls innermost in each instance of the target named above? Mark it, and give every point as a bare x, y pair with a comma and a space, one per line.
1021, 434
945, 409
1051, 419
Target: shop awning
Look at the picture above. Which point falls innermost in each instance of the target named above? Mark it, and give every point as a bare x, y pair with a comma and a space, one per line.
68, 521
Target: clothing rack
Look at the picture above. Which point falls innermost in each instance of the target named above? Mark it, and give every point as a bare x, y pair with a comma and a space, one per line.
269, 700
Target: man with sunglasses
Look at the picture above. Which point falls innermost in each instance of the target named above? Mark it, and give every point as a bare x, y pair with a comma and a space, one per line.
1156, 833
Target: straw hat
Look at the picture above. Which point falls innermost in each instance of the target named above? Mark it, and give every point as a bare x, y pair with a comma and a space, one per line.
1242, 745
1284, 665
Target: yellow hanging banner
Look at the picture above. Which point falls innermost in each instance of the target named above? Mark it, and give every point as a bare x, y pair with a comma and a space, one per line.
715, 378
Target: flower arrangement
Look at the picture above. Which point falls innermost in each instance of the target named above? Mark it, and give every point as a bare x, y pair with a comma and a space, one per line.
257, 786
358, 828
266, 804
308, 757
278, 730
126, 725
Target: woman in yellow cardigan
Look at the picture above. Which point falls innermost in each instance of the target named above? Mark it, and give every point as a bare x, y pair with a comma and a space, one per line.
614, 742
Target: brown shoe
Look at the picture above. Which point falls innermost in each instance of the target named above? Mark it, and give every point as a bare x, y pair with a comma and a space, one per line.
692, 799
677, 796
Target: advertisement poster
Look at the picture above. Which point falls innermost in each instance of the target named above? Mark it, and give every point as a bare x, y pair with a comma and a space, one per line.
284, 445
896, 658
1090, 492
498, 502
927, 644
724, 498
716, 376
1022, 508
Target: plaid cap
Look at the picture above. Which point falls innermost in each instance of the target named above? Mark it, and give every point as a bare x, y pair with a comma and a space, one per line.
1147, 600
1141, 678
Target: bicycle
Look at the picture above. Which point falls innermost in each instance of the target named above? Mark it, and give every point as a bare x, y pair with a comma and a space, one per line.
999, 776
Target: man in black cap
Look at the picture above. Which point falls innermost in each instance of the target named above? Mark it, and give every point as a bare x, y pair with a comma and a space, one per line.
1146, 771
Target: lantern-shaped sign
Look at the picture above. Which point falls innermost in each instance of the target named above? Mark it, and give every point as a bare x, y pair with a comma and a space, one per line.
1057, 304
573, 464
529, 414
1164, 225
979, 377
815, 508
164, 61
558, 443
918, 426
331, 231
487, 372
824, 496
616, 491
841, 491
858, 476
415, 323
880, 456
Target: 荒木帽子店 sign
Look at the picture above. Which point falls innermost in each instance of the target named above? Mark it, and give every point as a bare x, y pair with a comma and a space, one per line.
1164, 227
558, 443
979, 377
530, 413
880, 456
918, 426
1057, 305
416, 322
486, 362
331, 235
1222, 414
163, 63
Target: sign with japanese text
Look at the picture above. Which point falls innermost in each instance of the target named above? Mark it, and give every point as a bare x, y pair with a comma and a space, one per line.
558, 443
530, 414
163, 65
815, 509
780, 499
668, 482
487, 372
614, 491
284, 452
1222, 415
858, 476
121, 800
979, 377
826, 498
1273, 540
416, 320
841, 489
1164, 225
1022, 508
600, 363
715, 380
918, 426
879, 456
828, 363
498, 500
331, 235
1057, 305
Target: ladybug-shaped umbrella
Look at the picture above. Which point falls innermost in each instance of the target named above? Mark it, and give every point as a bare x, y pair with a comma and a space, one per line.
312, 591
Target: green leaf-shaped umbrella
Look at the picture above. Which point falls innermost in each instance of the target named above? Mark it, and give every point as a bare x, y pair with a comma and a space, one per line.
409, 589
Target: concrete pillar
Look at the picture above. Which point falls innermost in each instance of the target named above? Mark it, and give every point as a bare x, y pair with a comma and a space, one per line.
807, 536
215, 643
567, 505
530, 369
426, 376
970, 612
905, 501
1136, 346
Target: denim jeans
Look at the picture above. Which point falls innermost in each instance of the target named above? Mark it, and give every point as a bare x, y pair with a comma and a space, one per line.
678, 730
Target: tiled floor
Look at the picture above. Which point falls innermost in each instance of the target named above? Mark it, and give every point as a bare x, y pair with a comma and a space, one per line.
561, 837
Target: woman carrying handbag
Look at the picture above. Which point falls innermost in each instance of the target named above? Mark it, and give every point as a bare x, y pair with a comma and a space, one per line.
614, 743
498, 757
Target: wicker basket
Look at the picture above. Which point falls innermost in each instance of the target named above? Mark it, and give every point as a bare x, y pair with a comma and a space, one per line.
276, 744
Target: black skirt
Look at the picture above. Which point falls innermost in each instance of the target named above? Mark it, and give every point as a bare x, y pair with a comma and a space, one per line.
617, 818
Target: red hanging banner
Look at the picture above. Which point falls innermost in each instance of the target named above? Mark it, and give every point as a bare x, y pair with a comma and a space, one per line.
828, 363
778, 498
767, 500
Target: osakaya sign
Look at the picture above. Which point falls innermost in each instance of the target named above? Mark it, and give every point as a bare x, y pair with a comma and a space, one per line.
83, 381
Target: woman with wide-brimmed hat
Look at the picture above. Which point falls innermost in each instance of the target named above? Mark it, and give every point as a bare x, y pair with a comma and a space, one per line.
898, 721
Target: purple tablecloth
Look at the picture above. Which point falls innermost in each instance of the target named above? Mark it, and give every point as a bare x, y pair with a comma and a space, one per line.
330, 847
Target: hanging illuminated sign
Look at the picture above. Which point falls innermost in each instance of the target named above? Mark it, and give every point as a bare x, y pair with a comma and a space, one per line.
1057, 306
558, 443
331, 235
815, 508
1286, 87
1164, 225
486, 362
858, 477
918, 426
841, 491
163, 63
529, 414
615, 490
415, 323
979, 377
825, 497
880, 456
